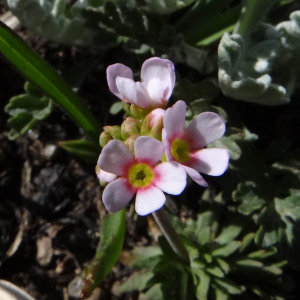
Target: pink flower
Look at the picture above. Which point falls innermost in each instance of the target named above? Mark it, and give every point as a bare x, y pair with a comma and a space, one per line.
141, 174
155, 88
187, 145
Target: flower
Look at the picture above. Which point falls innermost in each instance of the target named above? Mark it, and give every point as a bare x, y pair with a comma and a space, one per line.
142, 174
155, 88
187, 145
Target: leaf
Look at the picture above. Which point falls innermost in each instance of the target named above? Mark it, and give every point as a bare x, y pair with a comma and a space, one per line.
34, 68
245, 67
227, 250
111, 243
20, 124
231, 287
39, 108
247, 193
154, 293
203, 286
85, 150
137, 281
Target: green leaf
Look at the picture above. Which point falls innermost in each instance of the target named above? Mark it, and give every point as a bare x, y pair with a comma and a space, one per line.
245, 67
85, 150
137, 281
154, 293
248, 194
249, 263
109, 249
231, 287
34, 68
203, 286
39, 108
228, 249
20, 124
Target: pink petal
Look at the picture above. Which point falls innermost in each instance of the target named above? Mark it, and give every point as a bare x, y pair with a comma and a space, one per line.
148, 149
171, 177
195, 176
162, 69
117, 195
155, 116
105, 176
114, 157
114, 71
166, 145
211, 161
155, 90
133, 92
205, 129
174, 119
149, 200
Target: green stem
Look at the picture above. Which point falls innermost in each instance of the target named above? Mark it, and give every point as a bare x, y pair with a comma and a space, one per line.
253, 11
170, 234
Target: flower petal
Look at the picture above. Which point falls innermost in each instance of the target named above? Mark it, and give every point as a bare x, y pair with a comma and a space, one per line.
174, 119
114, 71
194, 175
149, 200
117, 195
162, 69
105, 176
166, 145
149, 149
211, 161
171, 177
155, 91
205, 129
114, 157
133, 92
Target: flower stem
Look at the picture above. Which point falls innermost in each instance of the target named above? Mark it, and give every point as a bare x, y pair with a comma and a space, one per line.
170, 234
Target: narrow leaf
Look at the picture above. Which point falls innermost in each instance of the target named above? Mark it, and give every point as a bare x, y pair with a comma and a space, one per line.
111, 243
35, 69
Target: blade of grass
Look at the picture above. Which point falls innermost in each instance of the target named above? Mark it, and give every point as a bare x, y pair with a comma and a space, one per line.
37, 70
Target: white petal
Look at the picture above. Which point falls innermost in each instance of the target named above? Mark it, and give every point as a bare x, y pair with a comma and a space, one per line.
105, 176
114, 71
133, 92
155, 90
159, 68
174, 119
166, 145
148, 149
205, 129
149, 200
117, 195
114, 157
194, 175
211, 161
171, 177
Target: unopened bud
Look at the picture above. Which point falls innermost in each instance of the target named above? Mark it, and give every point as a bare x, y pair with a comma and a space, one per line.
130, 126
109, 133
138, 112
153, 123
130, 142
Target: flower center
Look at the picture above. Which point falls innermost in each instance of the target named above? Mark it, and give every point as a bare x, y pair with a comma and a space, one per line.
180, 150
140, 175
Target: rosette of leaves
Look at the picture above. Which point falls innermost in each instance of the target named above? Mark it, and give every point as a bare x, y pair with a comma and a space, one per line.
54, 20
222, 265
260, 68
26, 109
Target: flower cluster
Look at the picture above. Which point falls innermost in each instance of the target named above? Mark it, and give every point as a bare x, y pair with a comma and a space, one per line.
152, 152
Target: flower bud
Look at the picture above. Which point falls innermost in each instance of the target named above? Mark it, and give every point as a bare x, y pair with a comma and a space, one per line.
138, 112
153, 123
130, 126
130, 142
109, 133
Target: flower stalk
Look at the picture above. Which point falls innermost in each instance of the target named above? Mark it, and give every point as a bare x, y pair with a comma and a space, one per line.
162, 220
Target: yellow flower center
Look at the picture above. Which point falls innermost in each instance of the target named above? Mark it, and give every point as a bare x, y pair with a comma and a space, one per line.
180, 150
140, 175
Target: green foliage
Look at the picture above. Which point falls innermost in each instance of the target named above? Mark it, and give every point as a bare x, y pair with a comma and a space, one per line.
111, 242
225, 262
39, 72
26, 109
